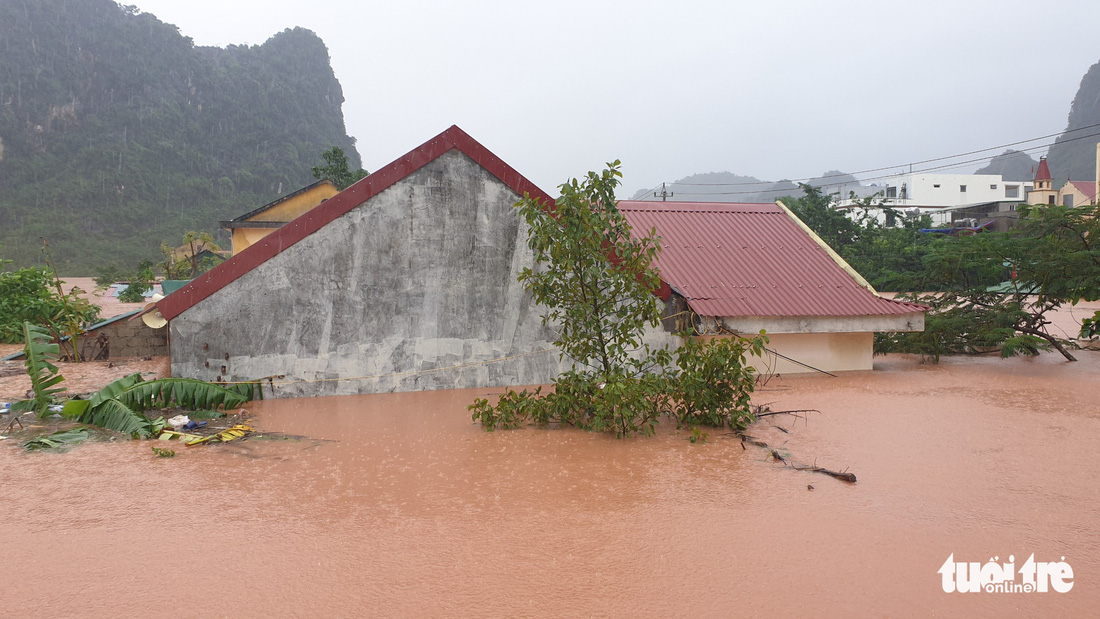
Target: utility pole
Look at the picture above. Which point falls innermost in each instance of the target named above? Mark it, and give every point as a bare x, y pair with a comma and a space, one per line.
664, 195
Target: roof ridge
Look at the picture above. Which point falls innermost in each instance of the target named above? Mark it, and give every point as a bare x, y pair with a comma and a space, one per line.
453, 138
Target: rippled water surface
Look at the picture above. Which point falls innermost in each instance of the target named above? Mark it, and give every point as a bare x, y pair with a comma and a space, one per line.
396, 505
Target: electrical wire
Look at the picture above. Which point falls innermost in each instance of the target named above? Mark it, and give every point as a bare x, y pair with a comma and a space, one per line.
949, 166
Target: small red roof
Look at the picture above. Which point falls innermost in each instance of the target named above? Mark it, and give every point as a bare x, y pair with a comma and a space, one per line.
259, 252
752, 260
1043, 174
1086, 187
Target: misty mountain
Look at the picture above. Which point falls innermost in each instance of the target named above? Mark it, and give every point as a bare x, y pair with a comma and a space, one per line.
117, 132
1073, 155
730, 187
1012, 165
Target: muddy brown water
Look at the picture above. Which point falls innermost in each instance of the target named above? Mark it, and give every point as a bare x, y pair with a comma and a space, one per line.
398, 506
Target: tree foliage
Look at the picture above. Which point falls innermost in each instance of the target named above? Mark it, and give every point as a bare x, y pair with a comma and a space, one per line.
33, 295
121, 405
192, 258
595, 278
138, 283
336, 169
887, 256
119, 132
38, 357
996, 290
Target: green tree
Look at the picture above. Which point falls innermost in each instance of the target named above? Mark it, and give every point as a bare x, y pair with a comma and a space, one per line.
140, 283
191, 259
885, 255
336, 169
35, 295
996, 290
596, 280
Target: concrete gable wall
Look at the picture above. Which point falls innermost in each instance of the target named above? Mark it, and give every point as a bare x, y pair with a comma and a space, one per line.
421, 276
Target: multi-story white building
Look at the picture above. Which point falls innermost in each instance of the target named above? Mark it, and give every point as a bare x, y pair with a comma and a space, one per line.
941, 196
928, 190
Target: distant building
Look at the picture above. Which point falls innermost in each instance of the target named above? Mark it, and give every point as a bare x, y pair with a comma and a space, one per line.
1073, 193
927, 191
1044, 191
946, 198
1077, 193
255, 225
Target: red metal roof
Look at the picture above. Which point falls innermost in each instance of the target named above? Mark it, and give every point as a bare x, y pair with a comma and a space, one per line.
1044, 170
256, 254
1086, 187
752, 260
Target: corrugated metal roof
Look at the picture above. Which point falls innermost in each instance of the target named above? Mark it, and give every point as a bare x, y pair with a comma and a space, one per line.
752, 260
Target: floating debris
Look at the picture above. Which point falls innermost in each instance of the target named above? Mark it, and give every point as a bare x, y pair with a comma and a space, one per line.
236, 432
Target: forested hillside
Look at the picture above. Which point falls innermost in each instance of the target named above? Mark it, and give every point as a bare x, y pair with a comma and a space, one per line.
117, 132
1073, 155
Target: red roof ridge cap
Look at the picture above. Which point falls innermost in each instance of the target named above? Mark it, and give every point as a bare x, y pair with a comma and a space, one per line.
453, 138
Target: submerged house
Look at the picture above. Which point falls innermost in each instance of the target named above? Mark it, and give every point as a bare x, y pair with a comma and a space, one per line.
739, 268
404, 281
407, 280
256, 224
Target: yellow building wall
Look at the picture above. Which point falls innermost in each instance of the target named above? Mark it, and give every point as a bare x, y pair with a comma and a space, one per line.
1042, 196
286, 210
831, 352
1079, 198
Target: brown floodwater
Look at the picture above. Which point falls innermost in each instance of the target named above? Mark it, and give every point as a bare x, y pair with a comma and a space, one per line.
397, 505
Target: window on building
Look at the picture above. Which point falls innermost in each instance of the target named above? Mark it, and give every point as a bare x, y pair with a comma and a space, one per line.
891, 192
962, 188
904, 192
1050, 200
936, 186
1067, 200
992, 186
1012, 191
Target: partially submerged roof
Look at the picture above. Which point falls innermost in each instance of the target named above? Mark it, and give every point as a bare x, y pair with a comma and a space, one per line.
753, 260
271, 245
243, 220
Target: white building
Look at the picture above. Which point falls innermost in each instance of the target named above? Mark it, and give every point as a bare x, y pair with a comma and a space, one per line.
939, 195
927, 190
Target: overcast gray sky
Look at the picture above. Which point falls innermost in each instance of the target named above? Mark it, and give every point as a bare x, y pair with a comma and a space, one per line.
773, 89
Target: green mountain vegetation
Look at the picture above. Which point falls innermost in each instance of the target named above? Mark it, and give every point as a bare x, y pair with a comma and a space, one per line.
118, 133
1073, 155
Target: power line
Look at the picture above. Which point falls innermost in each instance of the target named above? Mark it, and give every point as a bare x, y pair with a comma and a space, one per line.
914, 163
886, 176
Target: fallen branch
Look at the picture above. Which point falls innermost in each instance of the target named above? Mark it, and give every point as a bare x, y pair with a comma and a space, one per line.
771, 413
841, 475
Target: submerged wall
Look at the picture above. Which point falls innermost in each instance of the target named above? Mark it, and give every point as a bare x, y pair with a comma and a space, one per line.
391, 296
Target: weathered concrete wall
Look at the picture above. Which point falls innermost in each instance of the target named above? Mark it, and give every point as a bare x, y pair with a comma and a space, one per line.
131, 338
420, 277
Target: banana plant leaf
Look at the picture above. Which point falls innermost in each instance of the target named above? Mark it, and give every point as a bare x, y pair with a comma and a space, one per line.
114, 415
38, 353
57, 439
184, 392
